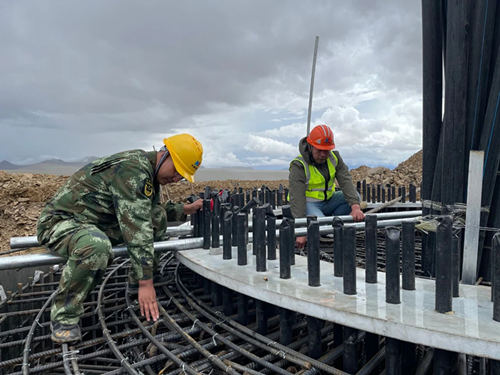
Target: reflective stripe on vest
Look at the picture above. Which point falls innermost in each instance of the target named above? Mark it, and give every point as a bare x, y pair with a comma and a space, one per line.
315, 182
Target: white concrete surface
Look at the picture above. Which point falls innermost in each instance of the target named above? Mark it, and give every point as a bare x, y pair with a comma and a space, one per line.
469, 329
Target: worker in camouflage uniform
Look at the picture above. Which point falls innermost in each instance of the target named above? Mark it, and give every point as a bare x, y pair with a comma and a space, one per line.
115, 199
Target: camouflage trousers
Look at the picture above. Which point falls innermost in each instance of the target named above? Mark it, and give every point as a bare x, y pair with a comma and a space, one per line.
88, 252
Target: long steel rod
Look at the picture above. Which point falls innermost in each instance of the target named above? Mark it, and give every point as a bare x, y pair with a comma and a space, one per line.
278, 349
187, 229
31, 241
123, 360
311, 88
30, 260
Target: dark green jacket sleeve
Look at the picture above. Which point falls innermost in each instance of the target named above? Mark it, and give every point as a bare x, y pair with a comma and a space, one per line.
175, 211
343, 177
134, 213
297, 189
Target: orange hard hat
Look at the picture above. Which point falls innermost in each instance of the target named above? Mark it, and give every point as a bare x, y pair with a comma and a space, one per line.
321, 137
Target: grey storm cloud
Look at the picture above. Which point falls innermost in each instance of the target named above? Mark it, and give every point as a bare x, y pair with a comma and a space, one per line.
95, 68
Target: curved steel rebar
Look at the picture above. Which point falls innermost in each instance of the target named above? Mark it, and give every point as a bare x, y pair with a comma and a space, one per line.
66, 359
247, 334
25, 365
123, 361
211, 357
215, 335
158, 344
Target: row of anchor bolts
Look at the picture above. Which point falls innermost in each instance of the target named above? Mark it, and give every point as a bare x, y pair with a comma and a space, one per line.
234, 228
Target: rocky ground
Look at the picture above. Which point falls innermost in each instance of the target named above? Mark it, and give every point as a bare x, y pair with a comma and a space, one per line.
23, 195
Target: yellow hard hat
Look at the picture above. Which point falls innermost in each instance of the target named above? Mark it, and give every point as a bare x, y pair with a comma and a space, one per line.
186, 152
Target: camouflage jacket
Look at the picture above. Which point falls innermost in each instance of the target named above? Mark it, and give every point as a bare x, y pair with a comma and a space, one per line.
117, 194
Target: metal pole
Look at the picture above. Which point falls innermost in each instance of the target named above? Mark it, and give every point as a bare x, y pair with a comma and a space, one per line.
392, 356
287, 318
242, 309
227, 232
409, 256
496, 276
286, 246
316, 41
206, 223
455, 265
350, 357
443, 266
292, 240
216, 224
271, 237
259, 239
314, 337
371, 248
313, 253
349, 250
472, 218
241, 242
261, 317
392, 292
234, 235
338, 261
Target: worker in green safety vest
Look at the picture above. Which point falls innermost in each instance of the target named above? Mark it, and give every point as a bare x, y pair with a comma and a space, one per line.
312, 180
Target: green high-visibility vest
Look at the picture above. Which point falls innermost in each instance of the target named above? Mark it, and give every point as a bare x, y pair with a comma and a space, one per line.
315, 182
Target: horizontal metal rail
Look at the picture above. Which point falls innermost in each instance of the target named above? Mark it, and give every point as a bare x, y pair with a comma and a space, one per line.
31, 260
187, 229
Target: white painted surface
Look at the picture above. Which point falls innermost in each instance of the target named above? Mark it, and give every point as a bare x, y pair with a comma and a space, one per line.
469, 329
471, 238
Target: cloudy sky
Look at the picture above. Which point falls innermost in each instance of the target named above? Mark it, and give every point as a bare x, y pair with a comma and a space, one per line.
90, 78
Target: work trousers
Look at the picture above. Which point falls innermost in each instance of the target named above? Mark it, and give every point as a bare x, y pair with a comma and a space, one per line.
88, 252
335, 206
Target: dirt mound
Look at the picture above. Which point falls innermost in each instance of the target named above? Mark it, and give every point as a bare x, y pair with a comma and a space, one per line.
23, 195
407, 172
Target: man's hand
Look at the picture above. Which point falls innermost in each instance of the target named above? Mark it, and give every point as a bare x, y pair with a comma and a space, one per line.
147, 300
356, 213
300, 242
191, 208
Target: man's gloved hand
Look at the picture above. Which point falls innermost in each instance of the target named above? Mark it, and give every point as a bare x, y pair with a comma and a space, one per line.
147, 300
356, 213
300, 242
191, 208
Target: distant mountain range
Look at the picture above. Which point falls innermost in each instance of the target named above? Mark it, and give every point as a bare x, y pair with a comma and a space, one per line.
51, 166
65, 168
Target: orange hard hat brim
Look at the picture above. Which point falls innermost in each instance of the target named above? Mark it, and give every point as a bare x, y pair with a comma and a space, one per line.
322, 147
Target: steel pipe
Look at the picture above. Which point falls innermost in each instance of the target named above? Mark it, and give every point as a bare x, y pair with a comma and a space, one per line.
392, 290
30, 260
313, 260
271, 237
286, 246
302, 221
227, 232
349, 256
443, 266
371, 248
338, 261
259, 244
186, 228
241, 241
408, 256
